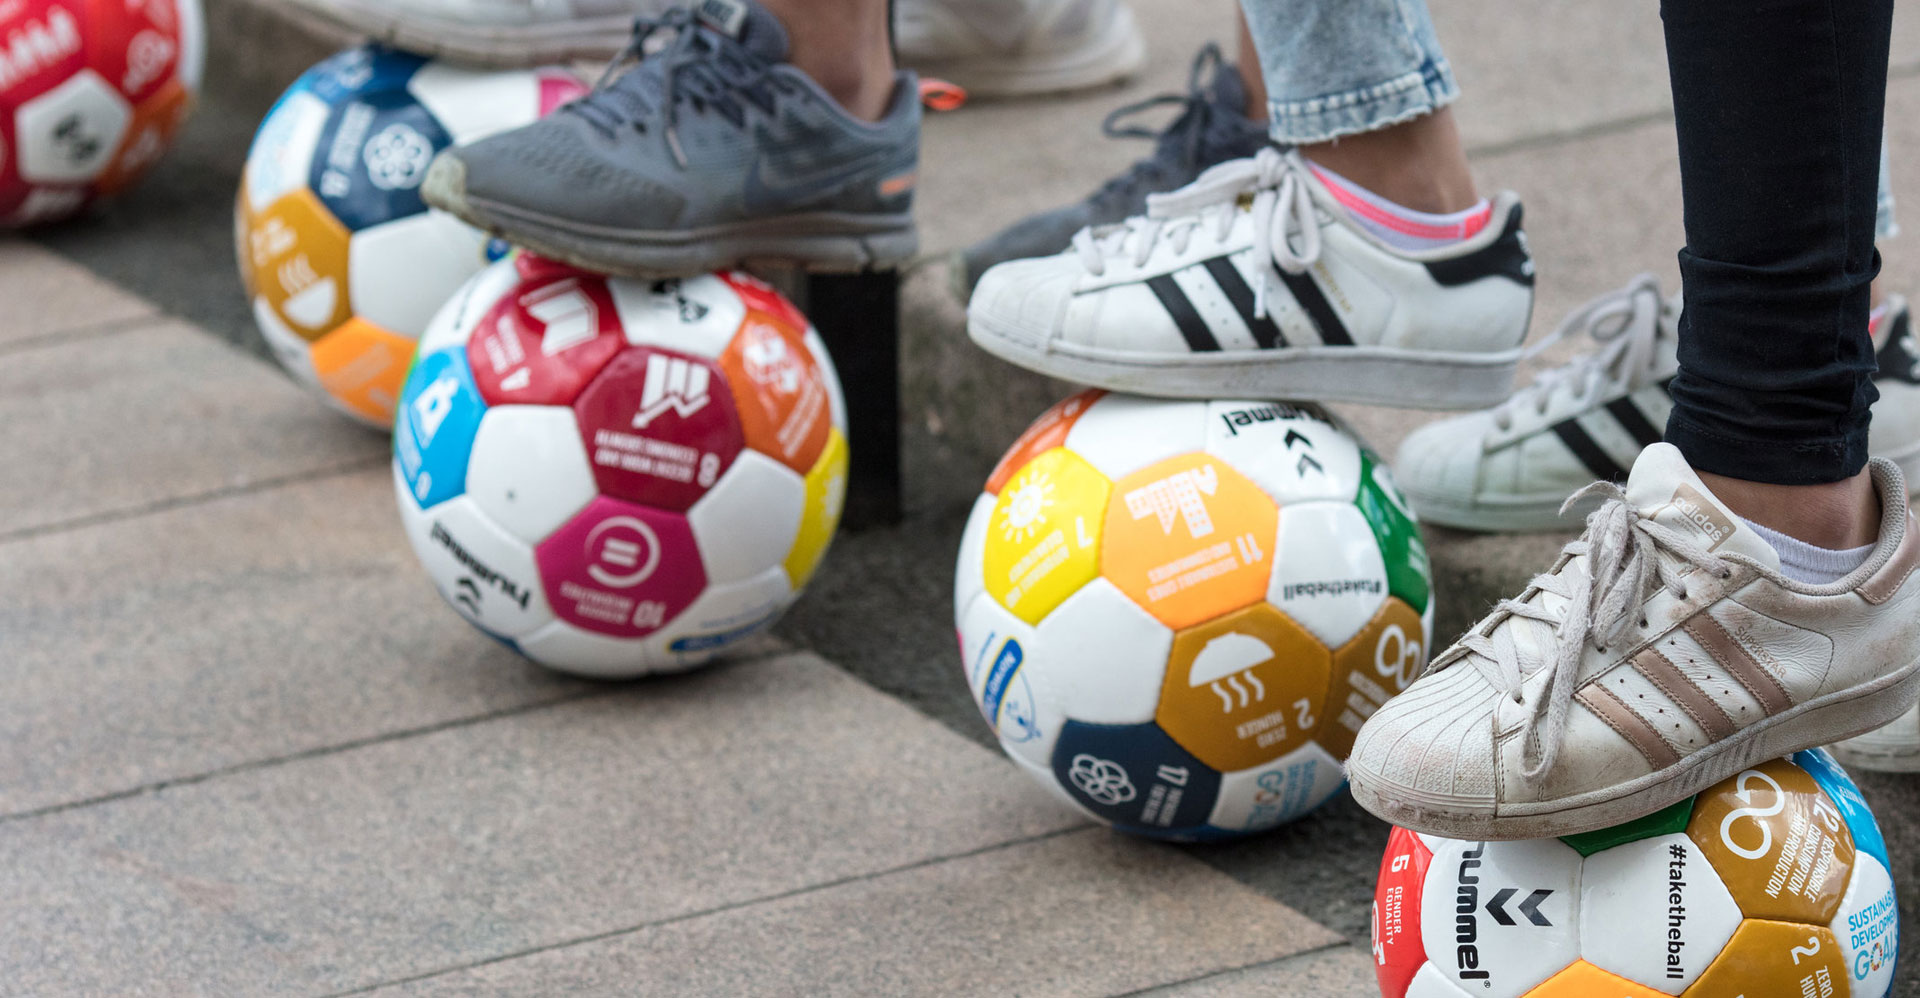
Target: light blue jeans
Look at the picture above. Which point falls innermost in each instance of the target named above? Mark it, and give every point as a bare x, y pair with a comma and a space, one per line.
1341, 67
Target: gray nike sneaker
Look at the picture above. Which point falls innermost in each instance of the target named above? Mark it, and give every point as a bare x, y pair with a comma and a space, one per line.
1212, 128
709, 153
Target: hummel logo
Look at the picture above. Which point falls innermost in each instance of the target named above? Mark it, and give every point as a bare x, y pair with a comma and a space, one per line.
675, 384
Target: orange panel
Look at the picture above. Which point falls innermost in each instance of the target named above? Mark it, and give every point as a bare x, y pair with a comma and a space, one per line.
298, 254
363, 366
1189, 539
150, 131
1584, 980
1778, 843
1244, 689
1380, 662
779, 391
1769, 959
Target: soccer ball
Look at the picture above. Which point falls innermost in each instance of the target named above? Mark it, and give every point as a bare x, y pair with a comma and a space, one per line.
91, 93
619, 477
343, 261
1177, 614
1774, 882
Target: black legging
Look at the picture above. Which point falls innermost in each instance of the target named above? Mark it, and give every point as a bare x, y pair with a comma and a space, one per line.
1778, 104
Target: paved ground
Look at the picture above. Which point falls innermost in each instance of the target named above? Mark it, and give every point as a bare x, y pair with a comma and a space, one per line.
255, 756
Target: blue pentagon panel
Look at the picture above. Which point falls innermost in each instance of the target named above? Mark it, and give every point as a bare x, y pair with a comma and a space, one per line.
372, 156
366, 69
1853, 807
439, 413
1136, 776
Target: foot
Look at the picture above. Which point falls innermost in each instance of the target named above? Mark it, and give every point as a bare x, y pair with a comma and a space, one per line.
499, 33
1019, 48
1663, 653
711, 152
1255, 282
1509, 468
1212, 128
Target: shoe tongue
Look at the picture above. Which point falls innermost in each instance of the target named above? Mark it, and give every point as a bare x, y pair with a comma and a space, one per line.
748, 23
1664, 488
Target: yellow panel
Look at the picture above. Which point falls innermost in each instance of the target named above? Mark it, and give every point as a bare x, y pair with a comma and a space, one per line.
1584, 980
1775, 960
1043, 542
363, 366
1190, 539
1379, 663
297, 255
826, 492
1244, 689
1778, 843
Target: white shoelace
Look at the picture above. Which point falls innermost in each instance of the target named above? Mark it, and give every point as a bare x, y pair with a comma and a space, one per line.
1281, 206
1624, 567
1624, 323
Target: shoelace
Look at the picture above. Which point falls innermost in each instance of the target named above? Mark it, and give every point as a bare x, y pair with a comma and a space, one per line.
694, 65
1626, 348
1189, 129
1624, 566
1281, 206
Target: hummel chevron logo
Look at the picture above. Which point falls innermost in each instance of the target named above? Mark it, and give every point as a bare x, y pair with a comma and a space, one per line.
1496, 906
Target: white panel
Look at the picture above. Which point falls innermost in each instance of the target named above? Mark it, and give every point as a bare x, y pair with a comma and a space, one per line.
93, 117
1120, 434
282, 154
1431, 983
969, 570
1517, 957
998, 651
193, 43
486, 574
1101, 658
454, 324
1295, 452
473, 104
565, 648
400, 273
1280, 791
825, 360
293, 353
1328, 575
1628, 913
1868, 927
697, 315
528, 471
747, 522
723, 616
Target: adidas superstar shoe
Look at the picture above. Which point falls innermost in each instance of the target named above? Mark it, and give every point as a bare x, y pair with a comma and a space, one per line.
1510, 467
1663, 653
1254, 281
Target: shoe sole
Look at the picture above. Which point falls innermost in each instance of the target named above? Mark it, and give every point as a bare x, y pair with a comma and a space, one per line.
1835, 717
825, 242
1117, 54
1385, 376
496, 47
1890, 759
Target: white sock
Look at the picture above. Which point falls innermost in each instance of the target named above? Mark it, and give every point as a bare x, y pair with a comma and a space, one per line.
1803, 562
1400, 227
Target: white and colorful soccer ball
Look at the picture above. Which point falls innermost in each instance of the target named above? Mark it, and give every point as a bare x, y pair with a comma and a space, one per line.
91, 94
618, 477
342, 260
1774, 882
1177, 614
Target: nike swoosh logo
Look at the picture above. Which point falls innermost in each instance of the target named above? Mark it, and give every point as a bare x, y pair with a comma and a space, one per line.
768, 187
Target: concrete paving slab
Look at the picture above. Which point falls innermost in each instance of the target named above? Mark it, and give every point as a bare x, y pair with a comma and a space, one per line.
1086, 913
45, 294
150, 416
396, 859
256, 626
1334, 972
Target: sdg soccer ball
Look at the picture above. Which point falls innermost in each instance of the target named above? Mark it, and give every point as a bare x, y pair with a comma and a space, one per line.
91, 93
1773, 883
343, 261
1177, 614
619, 477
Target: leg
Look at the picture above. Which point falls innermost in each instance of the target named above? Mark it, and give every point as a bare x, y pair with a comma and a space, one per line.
1776, 366
844, 45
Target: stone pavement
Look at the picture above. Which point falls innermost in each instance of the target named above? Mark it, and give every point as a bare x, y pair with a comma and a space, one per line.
253, 755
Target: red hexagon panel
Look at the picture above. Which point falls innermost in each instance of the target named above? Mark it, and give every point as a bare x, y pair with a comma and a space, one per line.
620, 569
660, 427
760, 296
543, 343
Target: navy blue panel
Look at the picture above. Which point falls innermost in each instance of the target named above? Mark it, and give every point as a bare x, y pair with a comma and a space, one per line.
1137, 777
366, 69
373, 154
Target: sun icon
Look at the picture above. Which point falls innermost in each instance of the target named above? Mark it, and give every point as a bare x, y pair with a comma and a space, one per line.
1026, 509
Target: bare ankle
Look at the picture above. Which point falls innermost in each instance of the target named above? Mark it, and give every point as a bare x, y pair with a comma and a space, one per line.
1838, 516
843, 46
1418, 164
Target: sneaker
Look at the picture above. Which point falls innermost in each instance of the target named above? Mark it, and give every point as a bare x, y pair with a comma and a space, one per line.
1212, 128
1892, 749
1254, 282
1510, 467
709, 153
497, 33
1663, 653
1019, 48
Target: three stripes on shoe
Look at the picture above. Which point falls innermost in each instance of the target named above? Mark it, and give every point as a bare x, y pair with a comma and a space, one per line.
1266, 334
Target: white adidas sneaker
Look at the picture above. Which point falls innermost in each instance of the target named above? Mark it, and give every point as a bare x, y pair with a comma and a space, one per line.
1253, 281
1509, 468
1663, 653
1019, 48
499, 33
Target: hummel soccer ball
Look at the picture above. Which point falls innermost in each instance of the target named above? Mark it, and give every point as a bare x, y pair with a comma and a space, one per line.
617, 477
343, 261
1775, 882
91, 93
1177, 614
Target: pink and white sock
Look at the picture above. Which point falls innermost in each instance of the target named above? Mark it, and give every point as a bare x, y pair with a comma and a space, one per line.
1400, 227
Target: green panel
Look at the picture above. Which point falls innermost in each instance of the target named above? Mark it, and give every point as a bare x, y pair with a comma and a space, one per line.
1662, 822
1398, 533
